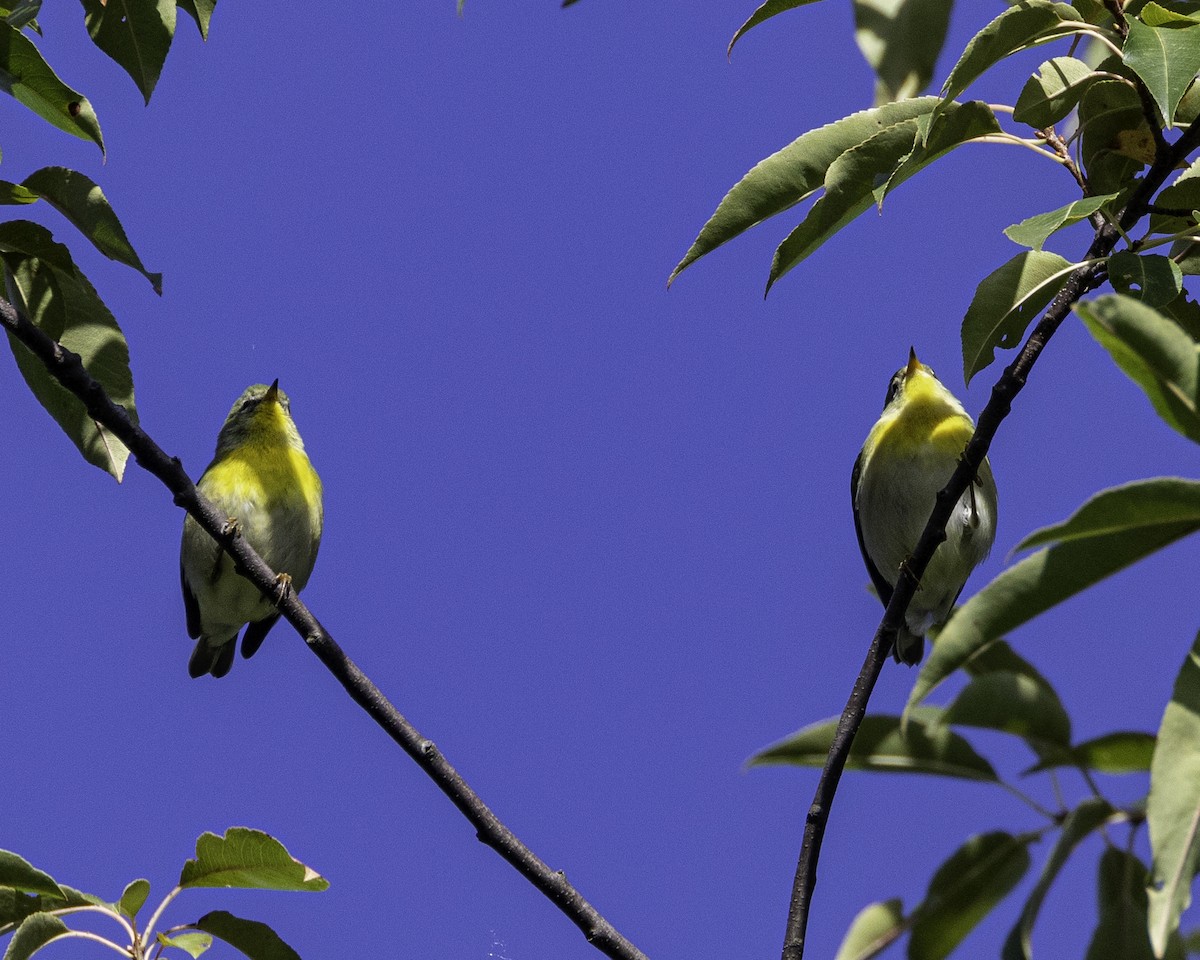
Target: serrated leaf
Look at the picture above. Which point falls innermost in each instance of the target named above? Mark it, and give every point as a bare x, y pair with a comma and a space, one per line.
256, 940
1014, 704
1166, 57
17, 873
790, 175
136, 34
1077, 826
1117, 141
880, 747
864, 174
1154, 15
964, 890
34, 932
1154, 352
25, 76
1122, 751
1034, 231
247, 858
875, 926
1115, 528
1053, 92
765, 12
1173, 808
1006, 301
194, 944
133, 898
202, 10
78, 198
1121, 931
1153, 279
901, 40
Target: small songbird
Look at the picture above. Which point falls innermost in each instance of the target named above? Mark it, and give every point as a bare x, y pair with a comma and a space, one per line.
262, 479
908, 457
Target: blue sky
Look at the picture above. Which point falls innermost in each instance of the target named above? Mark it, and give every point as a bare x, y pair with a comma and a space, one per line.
591, 536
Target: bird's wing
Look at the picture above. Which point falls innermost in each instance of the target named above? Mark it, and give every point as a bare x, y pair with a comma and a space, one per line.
882, 587
190, 606
255, 634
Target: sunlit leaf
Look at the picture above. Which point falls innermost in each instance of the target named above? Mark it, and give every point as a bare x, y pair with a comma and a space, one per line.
247, 858
18, 873
136, 34
34, 932
901, 40
1053, 92
765, 12
1034, 231
1166, 57
1154, 280
134, 897
876, 925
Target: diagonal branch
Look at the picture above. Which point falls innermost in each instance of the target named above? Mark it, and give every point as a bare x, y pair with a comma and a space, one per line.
67, 368
997, 408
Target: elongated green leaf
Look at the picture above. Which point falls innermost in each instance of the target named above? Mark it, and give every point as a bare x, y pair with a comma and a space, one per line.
1154, 280
1121, 933
1165, 57
256, 940
876, 925
862, 175
135, 33
15, 906
1006, 301
193, 944
1173, 809
247, 858
27, 77
765, 12
15, 194
964, 890
23, 13
1078, 825
880, 747
202, 10
1123, 751
797, 171
1117, 142
1034, 231
1110, 531
134, 898
901, 40
1154, 352
1183, 194
82, 202
1053, 92
17, 873
34, 933
1015, 704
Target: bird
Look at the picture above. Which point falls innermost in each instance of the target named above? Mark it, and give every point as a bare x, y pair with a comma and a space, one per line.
909, 456
262, 479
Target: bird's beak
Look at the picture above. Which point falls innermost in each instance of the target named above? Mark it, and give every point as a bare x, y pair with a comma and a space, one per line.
913, 364
272, 393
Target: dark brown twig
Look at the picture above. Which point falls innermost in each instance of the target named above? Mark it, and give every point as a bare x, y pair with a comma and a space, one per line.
67, 368
1005, 390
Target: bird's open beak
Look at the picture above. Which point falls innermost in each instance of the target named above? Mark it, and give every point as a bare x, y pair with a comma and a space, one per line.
272, 393
913, 364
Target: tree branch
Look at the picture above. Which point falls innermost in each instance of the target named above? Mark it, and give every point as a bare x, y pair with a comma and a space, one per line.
68, 369
1005, 390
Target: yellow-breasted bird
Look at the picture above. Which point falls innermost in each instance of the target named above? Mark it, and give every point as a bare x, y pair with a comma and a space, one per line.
908, 457
261, 478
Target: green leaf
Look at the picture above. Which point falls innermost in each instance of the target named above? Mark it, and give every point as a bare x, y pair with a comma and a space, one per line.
247, 858
1154, 15
901, 40
13, 194
1053, 92
27, 77
797, 171
1173, 809
1015, 704
765, 12
23, 13
202, 10
964, 890
15, 907
1023, 24
43, 282
1121, 933
34, 933
1110, 531
1124, 751
17, 873
863, 174
1167, 59
82, 202
136, 34
1154, 352
1117, 142
1034, 231
133, 898
1154, 280
1077, 826
1006, 301
880, 747
194, 944
1183, 194
256, 940
876, 925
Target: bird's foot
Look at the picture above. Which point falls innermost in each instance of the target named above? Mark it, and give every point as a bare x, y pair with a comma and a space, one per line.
283, 587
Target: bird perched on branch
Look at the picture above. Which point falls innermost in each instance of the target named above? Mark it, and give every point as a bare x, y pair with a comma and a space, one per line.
262, 479
908, 457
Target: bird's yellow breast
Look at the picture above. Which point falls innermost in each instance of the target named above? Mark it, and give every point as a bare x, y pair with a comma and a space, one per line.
275, 472
925, 420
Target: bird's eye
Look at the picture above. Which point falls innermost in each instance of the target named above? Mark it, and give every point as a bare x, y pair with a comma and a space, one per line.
248, 403
894, 388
